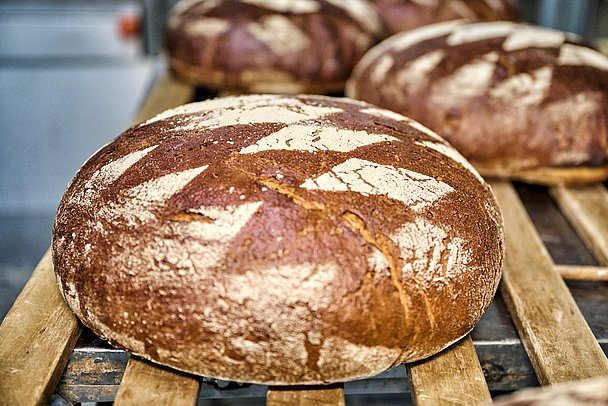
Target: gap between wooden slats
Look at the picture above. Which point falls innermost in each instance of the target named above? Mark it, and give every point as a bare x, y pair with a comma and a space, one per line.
320, 396
36, 338
557, 338
586, 208
453, 377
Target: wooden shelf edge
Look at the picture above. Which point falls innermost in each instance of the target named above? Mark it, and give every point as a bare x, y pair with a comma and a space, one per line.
452, 377
36, 338
147, 384
332, 395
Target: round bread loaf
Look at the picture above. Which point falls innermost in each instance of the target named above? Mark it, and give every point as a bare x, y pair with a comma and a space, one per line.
274, 46
518, 101
406, 15
279, 240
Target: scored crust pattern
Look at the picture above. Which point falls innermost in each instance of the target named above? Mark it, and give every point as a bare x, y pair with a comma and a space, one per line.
272, 46
509, 97
281, 240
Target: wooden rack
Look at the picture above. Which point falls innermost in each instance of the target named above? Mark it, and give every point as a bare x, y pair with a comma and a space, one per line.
39, 334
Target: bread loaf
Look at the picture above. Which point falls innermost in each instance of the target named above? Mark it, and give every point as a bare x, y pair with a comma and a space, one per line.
279, 240
406, 15
518, 101
274, 46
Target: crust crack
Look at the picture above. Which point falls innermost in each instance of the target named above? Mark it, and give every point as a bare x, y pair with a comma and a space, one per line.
313, 352
290, 193
187, 217
381, 243
445, 259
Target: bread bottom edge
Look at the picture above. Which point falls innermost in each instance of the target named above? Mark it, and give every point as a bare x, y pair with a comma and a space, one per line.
215, 79
548, 176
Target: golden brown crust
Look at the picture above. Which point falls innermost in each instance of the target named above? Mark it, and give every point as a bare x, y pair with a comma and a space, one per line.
512, 98
406, 15
279, 240
300, 46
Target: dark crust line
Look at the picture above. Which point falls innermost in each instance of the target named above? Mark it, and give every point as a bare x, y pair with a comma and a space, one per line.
220, 61
317, 227
407, 15
542, 151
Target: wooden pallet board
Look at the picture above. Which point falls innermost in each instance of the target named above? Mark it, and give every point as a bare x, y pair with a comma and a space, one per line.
556, 336
587, 210
36, 339
324, 396
146, 384
453, 377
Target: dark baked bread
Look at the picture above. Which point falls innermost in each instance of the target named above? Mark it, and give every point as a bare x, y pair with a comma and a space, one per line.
279, 240
296, 46
518, 101
406, 15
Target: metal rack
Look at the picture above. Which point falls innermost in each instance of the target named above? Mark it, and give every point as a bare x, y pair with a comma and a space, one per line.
538, 330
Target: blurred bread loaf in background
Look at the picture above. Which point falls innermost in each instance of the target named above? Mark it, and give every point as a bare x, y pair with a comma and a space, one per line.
406, 15
518, 101
270, 46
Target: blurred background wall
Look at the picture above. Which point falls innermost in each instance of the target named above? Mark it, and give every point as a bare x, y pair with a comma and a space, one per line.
72, 75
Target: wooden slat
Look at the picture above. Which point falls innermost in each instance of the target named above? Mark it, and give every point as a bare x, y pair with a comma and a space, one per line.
36, 339
147, 384
583, 273
329, 396
587, 210
168, 92
453, 377
557, 338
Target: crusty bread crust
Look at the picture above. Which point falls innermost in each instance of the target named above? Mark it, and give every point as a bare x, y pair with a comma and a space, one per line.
519, 101
406, 15
301, 46
279, 240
